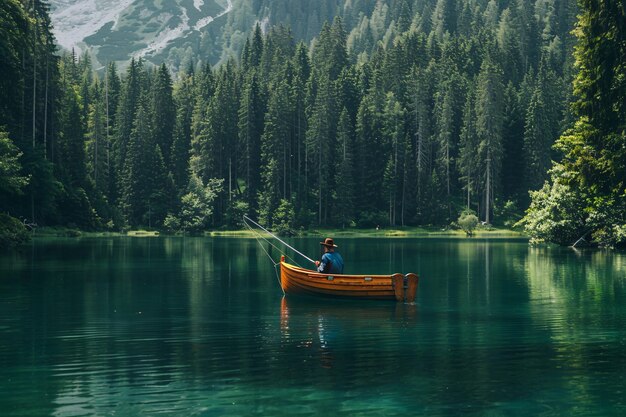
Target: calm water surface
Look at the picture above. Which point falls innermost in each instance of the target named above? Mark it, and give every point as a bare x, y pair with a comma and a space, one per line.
199, 327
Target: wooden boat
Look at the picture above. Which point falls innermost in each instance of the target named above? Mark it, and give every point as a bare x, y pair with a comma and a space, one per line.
297, 280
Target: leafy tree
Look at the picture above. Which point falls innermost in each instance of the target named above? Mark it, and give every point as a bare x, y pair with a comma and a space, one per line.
468, 221
591, 174
556, 212
12, 181
12, 232
197, 204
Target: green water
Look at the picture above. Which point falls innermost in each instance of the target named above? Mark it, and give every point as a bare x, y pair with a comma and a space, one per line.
199, 327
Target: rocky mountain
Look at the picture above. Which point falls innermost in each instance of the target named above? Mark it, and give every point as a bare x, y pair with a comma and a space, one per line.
116, 30
181, 31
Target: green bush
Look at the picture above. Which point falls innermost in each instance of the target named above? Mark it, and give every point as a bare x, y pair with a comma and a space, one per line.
468, 221
12, 232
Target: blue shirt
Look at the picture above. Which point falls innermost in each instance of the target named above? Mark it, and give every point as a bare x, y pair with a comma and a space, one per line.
332, 263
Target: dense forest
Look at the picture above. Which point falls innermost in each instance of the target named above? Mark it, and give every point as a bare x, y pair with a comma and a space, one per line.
417, 112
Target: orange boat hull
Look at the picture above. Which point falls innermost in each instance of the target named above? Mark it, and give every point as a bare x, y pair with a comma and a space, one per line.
296, 280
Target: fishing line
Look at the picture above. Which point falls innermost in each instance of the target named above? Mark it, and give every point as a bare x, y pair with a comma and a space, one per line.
277, 238
258, 236
268, 255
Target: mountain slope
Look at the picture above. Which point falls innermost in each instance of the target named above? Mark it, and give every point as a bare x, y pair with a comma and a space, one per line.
116, 30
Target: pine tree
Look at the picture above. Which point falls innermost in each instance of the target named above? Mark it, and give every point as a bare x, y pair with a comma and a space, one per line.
513, 139
370, 152
443, 18
135, 179
13, 31
449, 104
161, 197
179, 154
420, 83
163, 111
320, 140
346, 192
200, 127
468, 161
71, 153
537, 142
125, 121
489, 125
591, 173
301, 75
393, 136
508, 37
274, 150
97, 140
250, 126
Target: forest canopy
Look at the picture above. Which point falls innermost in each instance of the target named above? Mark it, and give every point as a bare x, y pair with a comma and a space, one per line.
412, 114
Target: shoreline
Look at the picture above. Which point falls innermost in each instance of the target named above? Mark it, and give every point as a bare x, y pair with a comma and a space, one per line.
407, 232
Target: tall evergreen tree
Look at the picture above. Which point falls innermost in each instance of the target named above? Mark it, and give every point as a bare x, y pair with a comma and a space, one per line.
135, 179
592, 171
468, 161
251, 112
163, 111
320, 141
345, 180
125, 121
179, 154
71, 153
97, 140
274, 150
393, 136
489, 125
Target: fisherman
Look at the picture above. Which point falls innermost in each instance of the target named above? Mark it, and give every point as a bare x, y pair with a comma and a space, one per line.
332, 262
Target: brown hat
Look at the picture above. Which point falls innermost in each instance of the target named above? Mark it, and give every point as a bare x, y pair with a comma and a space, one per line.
328, 242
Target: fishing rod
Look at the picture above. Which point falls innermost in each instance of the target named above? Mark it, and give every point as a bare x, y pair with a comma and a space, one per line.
245, 217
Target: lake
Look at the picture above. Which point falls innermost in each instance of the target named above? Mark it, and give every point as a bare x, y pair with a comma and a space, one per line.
199, 327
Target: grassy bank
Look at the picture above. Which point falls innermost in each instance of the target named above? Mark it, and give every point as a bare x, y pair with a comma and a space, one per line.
316, 232
390, 232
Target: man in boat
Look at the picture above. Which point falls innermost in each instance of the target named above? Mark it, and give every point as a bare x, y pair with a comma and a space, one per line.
332, 262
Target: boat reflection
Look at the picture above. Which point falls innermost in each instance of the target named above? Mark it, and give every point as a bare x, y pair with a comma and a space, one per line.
323, 327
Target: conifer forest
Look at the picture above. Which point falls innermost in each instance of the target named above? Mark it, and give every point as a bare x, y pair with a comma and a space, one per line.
395, 113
